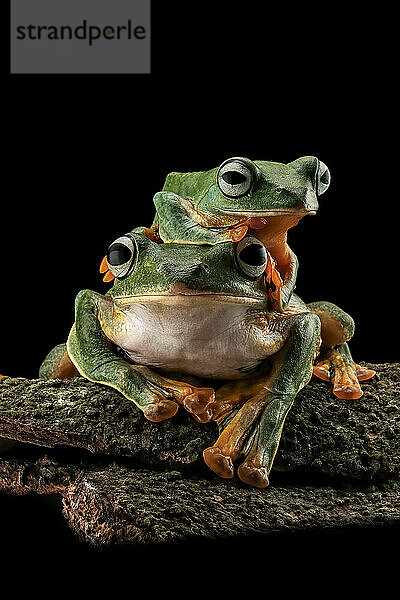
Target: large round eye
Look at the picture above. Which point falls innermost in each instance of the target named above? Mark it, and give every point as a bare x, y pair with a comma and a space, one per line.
235, 177
121, 256
251, 257
323, 178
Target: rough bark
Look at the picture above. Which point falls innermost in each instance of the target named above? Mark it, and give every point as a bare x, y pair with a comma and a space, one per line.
322, 434
116, 504
145, 482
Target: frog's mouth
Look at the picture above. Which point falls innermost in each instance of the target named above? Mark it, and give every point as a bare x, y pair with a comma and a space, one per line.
237, 222
277, 212
255, 220
231, 219
187, 296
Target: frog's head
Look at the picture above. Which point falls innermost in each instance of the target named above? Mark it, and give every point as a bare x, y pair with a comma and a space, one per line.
146, 271
241, 189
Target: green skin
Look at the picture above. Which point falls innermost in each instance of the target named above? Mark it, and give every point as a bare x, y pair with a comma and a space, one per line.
194, 208
187, 315
277, 188
184, 317
198, 208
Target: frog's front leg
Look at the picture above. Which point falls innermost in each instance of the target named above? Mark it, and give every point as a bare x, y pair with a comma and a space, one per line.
255, 429
95, 358
335, 362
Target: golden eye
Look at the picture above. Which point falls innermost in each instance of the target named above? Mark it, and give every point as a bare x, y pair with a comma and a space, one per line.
236, 177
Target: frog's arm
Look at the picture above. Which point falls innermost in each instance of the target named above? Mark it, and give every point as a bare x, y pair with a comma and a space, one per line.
95, 357
176, 226
252, 416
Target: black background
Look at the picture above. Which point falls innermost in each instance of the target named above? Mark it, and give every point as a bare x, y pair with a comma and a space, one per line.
85, 154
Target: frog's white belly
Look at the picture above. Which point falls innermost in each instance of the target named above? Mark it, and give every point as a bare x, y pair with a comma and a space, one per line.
204, 338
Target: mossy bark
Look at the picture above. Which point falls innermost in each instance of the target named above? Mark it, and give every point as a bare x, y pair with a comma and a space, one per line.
134, 481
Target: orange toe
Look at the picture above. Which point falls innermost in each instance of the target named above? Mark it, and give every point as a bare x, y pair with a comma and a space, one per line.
218, 462
363, 373
321, 372
238, 233
347, 392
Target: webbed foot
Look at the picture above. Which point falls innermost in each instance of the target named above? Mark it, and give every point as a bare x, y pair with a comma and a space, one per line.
160, 411
218, 462
363, 373
3, 377
251, 474
338, 368
197, 401
200, 403
253, 433
236, 439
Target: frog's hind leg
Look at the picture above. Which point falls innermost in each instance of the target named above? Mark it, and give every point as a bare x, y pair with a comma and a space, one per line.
58, 365
335, 362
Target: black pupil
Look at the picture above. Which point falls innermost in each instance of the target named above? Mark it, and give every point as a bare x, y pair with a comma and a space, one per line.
253, 255
234, 177
118, 254
325, 178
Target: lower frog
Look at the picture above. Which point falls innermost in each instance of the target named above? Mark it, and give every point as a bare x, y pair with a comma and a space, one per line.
180, 316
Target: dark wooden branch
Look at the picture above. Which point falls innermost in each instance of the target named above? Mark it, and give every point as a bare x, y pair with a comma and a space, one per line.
356, 439
115, 504
133, 481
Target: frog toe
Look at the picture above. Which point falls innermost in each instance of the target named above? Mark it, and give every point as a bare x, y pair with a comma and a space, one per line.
363, 373
204, 417
160, 411
3, 377
344, 374
218, 462
348, 392
253, 475
199, 403
322, 370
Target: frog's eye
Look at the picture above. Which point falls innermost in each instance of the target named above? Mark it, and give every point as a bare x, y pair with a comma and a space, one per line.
251, 257
236, 177
121, 256
323, 178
